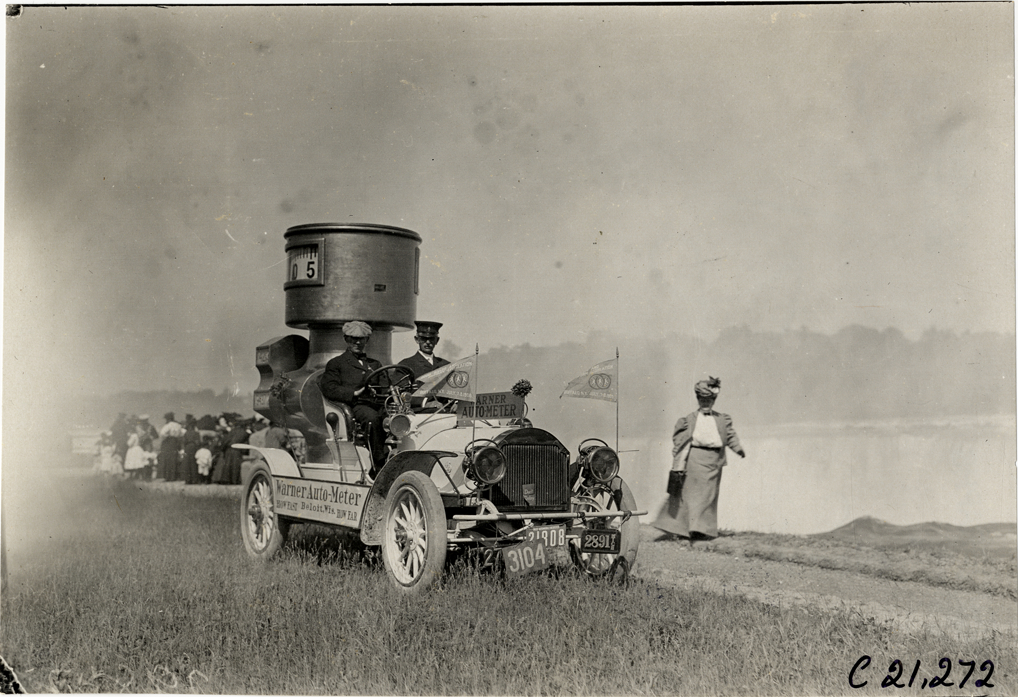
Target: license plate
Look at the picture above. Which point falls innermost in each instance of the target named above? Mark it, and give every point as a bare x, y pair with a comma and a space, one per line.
601, 541
550, 535
524, 558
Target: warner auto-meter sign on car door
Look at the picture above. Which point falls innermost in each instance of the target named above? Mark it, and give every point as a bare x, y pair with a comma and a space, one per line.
325, 502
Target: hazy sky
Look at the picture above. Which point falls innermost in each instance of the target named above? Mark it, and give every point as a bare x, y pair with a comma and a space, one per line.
644, 169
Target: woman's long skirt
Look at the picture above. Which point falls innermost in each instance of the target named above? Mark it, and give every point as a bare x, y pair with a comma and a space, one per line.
695, 510
189, 466
168, 458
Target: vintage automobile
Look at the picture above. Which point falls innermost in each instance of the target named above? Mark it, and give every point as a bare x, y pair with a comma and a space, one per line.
463, 476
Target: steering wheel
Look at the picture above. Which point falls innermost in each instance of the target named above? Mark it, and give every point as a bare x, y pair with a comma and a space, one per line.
399, 378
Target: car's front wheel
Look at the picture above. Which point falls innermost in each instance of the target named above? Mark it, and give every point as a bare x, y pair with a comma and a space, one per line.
414, 539
264, 532
615, 496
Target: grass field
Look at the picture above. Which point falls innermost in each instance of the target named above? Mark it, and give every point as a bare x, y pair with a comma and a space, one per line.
151, 592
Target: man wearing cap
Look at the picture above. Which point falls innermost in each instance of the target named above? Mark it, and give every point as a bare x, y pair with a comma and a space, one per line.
425, 360
698, 446
343, 381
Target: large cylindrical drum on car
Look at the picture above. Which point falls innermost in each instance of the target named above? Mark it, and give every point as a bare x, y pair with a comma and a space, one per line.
338, 272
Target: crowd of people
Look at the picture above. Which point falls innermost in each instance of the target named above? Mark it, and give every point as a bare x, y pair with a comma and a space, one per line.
197, 451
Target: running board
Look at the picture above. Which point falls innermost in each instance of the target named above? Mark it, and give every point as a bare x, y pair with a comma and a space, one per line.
548, 516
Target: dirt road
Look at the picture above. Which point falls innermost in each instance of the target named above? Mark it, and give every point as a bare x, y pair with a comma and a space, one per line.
910, 606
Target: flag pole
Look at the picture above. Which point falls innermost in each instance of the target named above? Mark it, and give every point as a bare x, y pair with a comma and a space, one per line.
618, 397
477, 372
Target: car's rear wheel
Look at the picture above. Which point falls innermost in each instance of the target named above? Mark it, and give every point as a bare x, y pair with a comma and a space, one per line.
264, 532
615, 497
414, 539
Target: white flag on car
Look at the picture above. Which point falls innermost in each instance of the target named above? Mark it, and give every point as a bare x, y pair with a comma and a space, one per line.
457, 380
600, 382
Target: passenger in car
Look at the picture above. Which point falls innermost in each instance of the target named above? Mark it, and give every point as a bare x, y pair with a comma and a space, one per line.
425, 360
344, 381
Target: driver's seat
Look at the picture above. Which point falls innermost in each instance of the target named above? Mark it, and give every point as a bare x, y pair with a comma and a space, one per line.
347, 428
347, 425
348, 434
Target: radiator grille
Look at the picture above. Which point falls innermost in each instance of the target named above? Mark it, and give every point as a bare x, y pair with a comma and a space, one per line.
536, 479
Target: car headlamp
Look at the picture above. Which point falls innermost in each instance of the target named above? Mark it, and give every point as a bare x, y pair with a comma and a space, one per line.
398, 425
486, 465
602, 463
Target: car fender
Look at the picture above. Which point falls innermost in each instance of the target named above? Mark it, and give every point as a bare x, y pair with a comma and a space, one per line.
373, 514
280, 462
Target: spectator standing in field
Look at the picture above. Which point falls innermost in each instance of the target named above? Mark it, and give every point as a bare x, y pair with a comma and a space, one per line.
277, 437
218, 473
135, 461
698, 446
192, 441
147, 436
147, 433
106, 453
229, 471
120, 431
170, 436
203, 458
259, 427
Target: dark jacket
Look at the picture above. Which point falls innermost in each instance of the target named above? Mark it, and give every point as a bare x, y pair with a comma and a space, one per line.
343, 375
420, 366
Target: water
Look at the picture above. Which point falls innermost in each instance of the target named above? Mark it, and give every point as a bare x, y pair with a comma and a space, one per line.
805, 479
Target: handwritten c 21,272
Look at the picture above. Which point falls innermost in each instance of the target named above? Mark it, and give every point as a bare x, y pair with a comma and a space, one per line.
896, 671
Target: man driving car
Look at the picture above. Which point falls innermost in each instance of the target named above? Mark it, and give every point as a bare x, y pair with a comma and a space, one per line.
344, 381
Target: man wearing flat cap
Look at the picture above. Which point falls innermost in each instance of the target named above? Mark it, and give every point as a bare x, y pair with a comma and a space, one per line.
344, 381
699, 441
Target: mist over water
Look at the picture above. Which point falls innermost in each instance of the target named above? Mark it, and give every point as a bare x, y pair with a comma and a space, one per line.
810, 479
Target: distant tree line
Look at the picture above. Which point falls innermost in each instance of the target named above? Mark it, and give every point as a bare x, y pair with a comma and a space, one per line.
861, 373
101, 410
792, 376
856, 374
